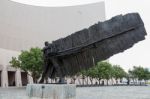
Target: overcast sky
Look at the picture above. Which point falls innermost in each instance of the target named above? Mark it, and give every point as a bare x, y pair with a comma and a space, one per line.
57, 3
140, 53
137, 55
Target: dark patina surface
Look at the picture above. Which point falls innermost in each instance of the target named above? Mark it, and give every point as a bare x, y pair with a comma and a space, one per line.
81, 50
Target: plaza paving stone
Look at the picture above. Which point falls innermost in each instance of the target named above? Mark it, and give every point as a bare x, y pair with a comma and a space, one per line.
106, 92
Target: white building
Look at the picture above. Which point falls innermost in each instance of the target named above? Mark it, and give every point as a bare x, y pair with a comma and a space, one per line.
24, 26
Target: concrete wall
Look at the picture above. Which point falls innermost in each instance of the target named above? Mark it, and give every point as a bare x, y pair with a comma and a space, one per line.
23, 26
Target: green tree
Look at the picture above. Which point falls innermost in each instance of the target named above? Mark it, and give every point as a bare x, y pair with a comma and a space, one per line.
118, 72
29, 61
104, 71
92, 73
140, 73
83, 73
146, 75
131, 75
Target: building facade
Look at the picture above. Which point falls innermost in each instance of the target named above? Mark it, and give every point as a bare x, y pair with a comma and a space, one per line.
24, 26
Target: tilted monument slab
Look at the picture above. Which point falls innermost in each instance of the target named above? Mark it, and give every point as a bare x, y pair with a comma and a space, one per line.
80, 50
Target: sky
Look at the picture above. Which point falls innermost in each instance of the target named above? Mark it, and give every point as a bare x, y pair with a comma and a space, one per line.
135, 56
140, 53
56, 3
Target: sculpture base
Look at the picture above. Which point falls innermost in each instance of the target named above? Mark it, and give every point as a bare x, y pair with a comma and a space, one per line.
51, 91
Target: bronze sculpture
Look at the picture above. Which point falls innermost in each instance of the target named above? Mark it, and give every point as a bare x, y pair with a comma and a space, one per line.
82, 49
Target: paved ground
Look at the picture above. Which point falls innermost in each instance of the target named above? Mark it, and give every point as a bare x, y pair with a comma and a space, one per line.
114, 92
110, 92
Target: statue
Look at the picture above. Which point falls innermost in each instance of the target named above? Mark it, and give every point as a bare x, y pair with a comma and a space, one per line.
80, 50
51, 63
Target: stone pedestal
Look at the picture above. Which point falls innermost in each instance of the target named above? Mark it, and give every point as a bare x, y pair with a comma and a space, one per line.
51, 91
